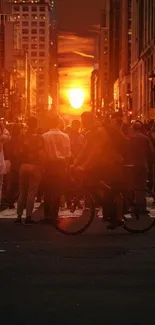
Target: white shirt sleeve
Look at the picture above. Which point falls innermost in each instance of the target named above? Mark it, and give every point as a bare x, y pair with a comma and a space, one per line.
5, 136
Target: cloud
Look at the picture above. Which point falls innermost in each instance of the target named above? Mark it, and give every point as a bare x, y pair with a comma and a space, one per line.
69, 43
84, 54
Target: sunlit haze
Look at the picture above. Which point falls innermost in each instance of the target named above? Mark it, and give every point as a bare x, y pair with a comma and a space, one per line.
76, 97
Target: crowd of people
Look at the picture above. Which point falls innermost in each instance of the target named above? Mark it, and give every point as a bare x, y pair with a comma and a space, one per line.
34, 163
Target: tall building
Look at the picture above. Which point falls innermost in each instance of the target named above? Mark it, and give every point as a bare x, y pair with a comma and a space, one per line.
115, 13
104, 50
6, 58
54, 54
109, 53
125, 56
33, 19
94, 91
143, 59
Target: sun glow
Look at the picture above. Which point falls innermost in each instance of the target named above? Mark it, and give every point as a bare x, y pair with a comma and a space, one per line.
76, 97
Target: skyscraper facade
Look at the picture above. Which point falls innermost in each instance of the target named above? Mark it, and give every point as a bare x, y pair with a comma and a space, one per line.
104, 50
125, 56
33, 19
143, 58
54, 54
109, 53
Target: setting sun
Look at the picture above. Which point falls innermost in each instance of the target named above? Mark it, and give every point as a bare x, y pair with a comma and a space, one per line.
76, 97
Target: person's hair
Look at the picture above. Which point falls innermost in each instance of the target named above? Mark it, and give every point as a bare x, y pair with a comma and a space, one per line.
68, 129
32, 123
76, 124
138, 126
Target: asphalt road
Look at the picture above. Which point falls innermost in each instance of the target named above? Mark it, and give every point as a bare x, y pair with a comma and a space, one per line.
96, 278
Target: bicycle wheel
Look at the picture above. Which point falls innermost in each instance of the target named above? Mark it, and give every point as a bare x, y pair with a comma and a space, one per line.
141, 221
76, 212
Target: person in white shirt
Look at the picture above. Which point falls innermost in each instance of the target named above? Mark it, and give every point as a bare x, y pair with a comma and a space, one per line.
4, 136
58, 153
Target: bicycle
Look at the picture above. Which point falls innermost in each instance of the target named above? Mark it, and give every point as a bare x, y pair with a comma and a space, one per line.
78, 207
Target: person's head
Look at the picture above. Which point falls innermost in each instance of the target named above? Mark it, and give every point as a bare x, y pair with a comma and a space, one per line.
54, 121
88, 120
76, 125
16, 130
68, 129
32, 123
138, 126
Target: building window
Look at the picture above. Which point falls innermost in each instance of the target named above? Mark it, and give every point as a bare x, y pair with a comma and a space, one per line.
16, 17
33, 46
42, 31
41, 46
41, 76
25, 39
34, 9
41, 39
34, 17
42, 23
42, 8
42, 17
25, 23
34, 39
25, 31
25, 8
16, 8
41, 53
33, 53
34, 31
42, 61
34, 23
41, 84
25, 46
41, 69
25, 17
34, 61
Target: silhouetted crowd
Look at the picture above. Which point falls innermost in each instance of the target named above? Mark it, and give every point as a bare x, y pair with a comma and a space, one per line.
34, 162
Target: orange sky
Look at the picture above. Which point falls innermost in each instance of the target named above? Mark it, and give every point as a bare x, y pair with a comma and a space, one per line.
75, 55
78, 22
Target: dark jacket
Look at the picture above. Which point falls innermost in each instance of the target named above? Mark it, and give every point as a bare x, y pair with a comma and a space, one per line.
141, 149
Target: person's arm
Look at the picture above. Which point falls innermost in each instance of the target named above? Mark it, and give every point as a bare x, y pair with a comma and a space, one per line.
5, 136
81, 155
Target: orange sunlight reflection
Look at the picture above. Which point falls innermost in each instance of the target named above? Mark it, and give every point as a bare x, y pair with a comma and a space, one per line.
72, 78
76, 97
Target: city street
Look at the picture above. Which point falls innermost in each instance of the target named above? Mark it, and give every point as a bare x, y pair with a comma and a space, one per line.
98, 277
